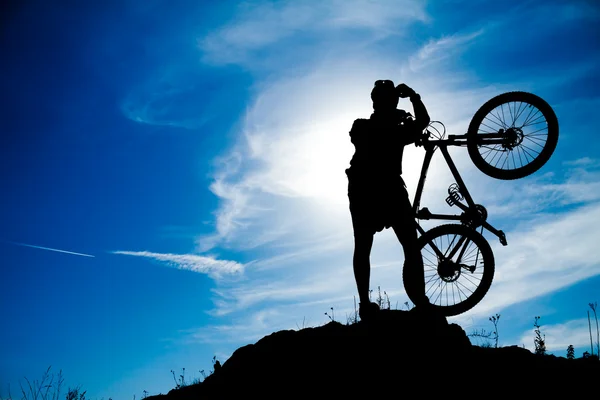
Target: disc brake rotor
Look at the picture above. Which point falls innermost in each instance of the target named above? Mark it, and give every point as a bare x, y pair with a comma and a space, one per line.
448, 270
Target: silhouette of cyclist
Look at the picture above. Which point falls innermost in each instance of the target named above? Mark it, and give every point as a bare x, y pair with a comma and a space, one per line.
376, 190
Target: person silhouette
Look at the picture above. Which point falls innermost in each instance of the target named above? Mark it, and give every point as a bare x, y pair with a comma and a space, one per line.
376, 191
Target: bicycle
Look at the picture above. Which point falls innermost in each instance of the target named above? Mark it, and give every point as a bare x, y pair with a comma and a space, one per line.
456, 255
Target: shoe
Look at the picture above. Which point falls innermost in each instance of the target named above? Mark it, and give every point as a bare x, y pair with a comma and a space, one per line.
367, 311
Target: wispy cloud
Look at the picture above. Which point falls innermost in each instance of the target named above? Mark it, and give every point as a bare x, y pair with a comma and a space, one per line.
163, 98
559, 336
583, 162
207, 265
553, 252
577, 183
51, 249
287, 186
282, 187
247, 329
436, 51
257, 26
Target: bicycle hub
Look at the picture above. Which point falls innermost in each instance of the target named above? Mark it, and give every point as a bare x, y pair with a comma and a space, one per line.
513, 137
448, 270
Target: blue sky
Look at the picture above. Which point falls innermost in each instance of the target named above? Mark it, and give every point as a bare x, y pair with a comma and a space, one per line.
197, 151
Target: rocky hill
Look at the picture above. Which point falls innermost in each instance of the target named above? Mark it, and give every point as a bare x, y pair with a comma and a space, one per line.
400, 353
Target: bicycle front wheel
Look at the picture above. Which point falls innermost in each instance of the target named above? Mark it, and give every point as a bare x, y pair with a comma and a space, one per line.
528, 128
458, 268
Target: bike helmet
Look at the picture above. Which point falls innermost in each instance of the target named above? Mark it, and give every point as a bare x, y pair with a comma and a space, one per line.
384, 93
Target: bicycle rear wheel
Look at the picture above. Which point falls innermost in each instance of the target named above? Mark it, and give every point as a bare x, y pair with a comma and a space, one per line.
458, 269
530, 129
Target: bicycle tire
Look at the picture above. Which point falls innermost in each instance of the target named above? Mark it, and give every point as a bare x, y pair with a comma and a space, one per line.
432, 268
501, 104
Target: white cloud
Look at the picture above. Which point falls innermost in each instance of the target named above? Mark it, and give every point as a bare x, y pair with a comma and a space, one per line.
559, 336
258, 25
286, 190
207, 265
249, 327
576, 184
286, 176
282, 187
320, 282
437, 51
552, 253
584, 161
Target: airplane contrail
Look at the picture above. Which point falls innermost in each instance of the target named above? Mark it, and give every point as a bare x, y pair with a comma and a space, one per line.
51, 249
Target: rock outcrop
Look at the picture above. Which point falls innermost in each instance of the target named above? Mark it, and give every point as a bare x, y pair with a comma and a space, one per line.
399, 353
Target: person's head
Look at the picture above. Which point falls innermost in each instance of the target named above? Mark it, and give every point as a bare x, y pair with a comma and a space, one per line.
384, 96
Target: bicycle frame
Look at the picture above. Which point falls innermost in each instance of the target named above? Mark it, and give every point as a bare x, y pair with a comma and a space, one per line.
470, 210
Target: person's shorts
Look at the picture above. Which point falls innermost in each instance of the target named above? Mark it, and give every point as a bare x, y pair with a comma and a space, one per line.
378, 202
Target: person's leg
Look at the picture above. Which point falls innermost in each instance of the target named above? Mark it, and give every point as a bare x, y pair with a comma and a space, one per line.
407, 236
363, 242
405, 228
364, 218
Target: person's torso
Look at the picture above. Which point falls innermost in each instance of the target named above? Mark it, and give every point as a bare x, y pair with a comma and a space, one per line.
379, 145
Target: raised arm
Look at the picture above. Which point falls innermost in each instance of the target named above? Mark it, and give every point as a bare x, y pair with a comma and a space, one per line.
421, 116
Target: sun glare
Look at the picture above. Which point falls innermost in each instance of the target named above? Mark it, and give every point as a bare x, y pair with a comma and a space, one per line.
326, 154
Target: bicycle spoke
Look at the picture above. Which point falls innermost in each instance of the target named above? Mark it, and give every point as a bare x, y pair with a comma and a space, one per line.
529, 148
518, 113
427, 291
502, 108
449, 247
460, 290
438, 296
511, 115
521, 116
500, 120
489, 149
519, 156
474, 248
454, 286
432, 278
515, 112
497, 115
424, 257
529, 115
467, 279
526, 154
521, 111
506, 159
493, 158
529, 154
538, 123
489, 127
460, 283
453, 298
536, 141
534, 132
513, 158
430, 263
528, 122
